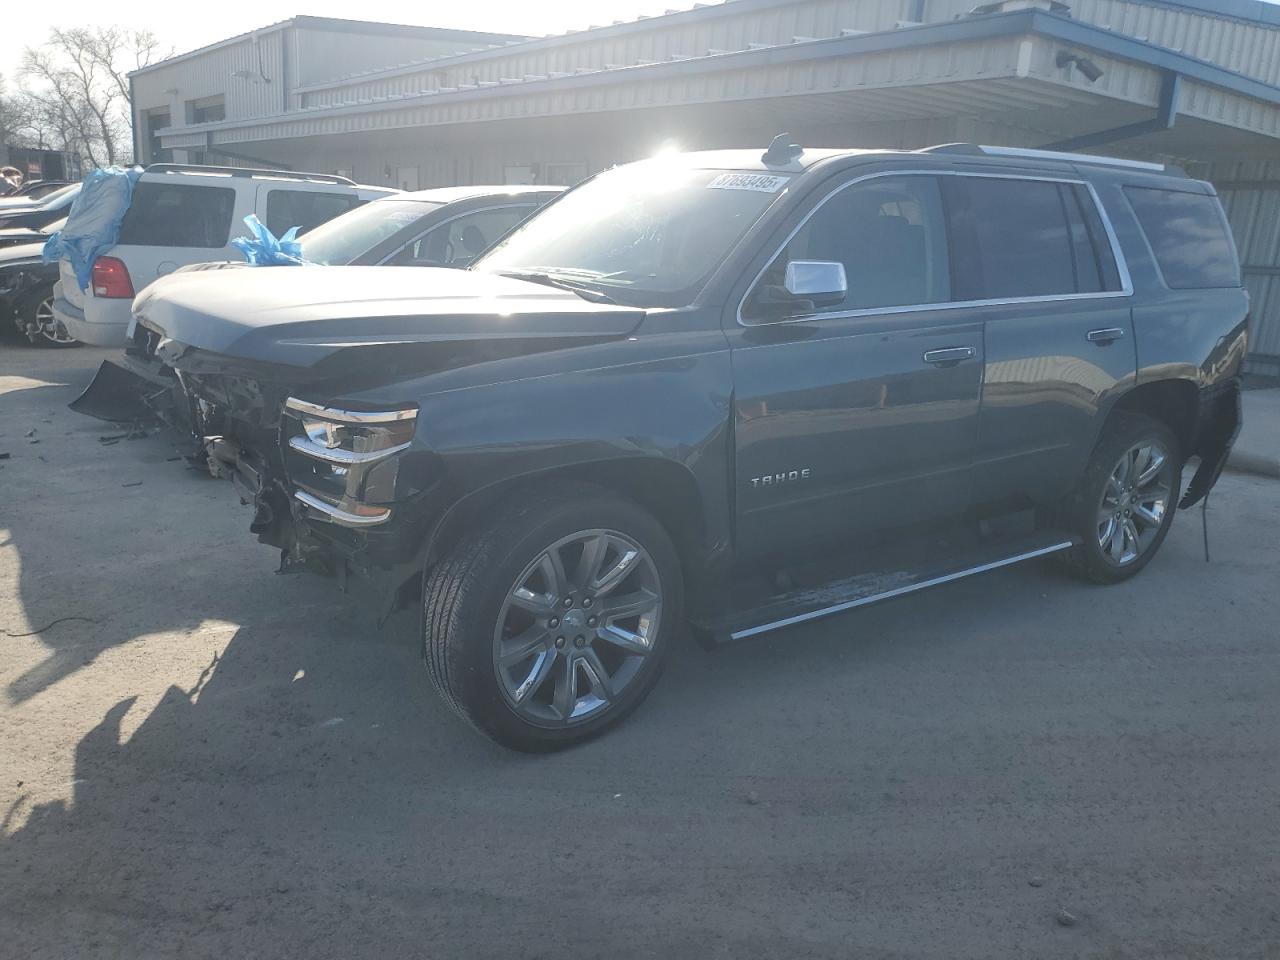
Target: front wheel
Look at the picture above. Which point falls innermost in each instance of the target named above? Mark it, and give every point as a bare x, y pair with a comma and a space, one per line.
1124, 504
552, 621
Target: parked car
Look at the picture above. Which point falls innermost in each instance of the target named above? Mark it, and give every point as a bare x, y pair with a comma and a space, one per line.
744, 390
26, 294
19, 235
182, 214
444, 227
40, 213
37, 189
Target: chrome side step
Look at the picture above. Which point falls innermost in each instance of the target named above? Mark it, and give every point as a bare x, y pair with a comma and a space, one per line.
838, 596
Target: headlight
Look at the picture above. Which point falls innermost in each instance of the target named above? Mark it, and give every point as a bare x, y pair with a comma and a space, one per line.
345, 459
350, 437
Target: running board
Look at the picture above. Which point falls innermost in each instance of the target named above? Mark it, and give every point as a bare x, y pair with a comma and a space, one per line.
837, 596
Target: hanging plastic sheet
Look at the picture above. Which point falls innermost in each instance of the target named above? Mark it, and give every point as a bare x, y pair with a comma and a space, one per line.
264, 250
93, 225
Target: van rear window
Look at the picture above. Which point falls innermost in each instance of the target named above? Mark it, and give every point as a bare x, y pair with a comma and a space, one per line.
1188, 235
178, 215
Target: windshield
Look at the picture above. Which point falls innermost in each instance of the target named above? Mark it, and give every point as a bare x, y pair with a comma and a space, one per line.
648, 234
49, 199
342, 239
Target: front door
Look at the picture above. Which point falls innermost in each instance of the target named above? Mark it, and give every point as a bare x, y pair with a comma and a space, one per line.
863, 414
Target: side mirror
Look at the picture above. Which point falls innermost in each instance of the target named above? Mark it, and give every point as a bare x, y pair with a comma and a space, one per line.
822, 282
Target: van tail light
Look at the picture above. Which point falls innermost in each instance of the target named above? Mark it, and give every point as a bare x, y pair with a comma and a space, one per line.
111, 278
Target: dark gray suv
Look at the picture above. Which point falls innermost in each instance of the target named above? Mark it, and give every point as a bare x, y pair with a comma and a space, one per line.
736, 389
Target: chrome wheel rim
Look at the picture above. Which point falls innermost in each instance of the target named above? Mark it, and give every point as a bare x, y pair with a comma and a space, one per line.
576, 627
47, 324
1133, 505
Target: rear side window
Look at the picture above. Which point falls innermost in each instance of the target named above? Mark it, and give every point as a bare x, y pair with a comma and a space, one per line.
305, 209
178, 215
1024, 238
1188, 235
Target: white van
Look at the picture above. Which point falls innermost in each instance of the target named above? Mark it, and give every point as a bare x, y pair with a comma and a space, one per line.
182, 214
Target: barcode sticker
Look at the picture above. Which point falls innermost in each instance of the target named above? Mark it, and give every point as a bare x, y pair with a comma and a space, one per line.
761, 182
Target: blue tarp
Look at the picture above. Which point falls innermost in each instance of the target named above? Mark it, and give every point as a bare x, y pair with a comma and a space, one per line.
93, 224
264, 250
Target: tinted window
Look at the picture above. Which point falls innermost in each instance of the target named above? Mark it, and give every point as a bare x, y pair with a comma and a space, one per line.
304, 209
1188, 236
458, 242
1009, 238
342, 239
889, 235
178, 215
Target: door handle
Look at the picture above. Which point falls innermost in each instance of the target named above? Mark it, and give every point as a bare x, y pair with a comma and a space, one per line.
948, 355
1105, 336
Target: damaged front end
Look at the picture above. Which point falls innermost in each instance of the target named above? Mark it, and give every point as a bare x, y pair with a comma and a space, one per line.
338, 491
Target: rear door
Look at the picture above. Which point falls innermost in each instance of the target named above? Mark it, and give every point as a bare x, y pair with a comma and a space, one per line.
861, 415
1036, 258
173, 221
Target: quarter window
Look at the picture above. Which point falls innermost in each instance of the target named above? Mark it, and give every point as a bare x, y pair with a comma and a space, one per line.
305, 209
888, 234
1188, 235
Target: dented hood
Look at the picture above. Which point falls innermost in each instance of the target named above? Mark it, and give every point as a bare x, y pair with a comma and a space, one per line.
330, 318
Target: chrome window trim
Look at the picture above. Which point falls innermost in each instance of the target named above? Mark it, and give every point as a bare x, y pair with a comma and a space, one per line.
458, 216
1122, 268
347, 416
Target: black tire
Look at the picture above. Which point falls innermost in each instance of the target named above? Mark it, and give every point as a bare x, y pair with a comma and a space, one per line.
468, 590
28, 321
1080, 513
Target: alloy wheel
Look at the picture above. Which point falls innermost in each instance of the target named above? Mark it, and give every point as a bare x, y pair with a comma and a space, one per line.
48, 326
576, 627
1134, 501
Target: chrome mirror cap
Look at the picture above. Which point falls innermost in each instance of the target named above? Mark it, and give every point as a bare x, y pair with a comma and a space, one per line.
816, 278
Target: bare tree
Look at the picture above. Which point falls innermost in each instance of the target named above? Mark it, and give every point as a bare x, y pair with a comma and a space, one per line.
78, 88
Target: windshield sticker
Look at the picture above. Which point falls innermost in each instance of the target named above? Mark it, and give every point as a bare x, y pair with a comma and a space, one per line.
760, 182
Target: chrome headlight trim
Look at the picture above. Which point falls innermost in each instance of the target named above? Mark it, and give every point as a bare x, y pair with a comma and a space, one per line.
321, 412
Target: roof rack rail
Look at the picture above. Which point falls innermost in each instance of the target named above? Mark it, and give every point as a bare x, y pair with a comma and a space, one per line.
247, 172
975, 150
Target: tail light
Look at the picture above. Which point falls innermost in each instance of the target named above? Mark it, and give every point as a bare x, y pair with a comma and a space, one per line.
111, 279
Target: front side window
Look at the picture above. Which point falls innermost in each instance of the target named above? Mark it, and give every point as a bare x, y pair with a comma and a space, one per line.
305, 209
178, 215
458, 242
647, 234
889, 236
1188, 235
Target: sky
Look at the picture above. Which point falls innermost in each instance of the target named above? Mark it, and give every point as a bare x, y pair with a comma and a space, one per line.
177, 25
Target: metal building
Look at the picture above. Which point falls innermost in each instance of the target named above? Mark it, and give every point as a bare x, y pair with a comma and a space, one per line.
1196, 82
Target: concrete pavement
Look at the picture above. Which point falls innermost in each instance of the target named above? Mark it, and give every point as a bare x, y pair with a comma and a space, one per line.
211, 761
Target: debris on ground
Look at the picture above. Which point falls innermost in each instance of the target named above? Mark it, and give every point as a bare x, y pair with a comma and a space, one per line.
132, 483
1036, 881
1066, 918
30, 433
4, 456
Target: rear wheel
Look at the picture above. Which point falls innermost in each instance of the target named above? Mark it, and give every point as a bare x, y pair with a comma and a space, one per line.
1124, 505
551, 623
36, 317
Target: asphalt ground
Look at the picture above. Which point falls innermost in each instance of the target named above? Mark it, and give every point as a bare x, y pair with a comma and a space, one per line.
216, 761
